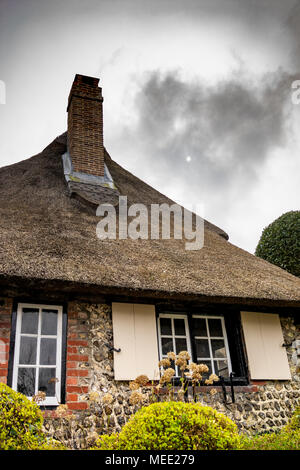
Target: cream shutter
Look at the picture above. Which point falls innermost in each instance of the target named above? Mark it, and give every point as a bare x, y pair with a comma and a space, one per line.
134, 332
267, 359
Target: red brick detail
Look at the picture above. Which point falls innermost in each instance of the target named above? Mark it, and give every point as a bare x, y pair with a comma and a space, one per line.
77, 389
77, 352
77, 342
71, 380
78, 405
77, 357
78, 373
5, 330
72, 397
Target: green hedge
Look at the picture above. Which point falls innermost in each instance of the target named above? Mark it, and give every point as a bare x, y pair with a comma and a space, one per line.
174, 426
280, 243
21, 423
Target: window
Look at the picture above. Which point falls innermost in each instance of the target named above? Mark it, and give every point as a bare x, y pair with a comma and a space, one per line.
206, 340
173, 335
38, 351
211, 346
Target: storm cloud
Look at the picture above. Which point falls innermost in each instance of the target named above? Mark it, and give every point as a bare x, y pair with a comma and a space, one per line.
215, 139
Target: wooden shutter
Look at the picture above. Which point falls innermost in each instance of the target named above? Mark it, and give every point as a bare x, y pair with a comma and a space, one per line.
134, 332
267, 358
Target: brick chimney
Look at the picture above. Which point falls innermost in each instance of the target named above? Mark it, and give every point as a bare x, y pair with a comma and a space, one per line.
85, 126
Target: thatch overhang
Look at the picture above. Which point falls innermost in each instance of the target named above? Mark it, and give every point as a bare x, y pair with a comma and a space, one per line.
48, 242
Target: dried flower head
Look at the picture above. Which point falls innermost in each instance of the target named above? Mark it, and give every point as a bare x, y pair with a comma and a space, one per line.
181, 363
39, 397
203, 368
136, 398
184, 355
53, 380
167, 376
164, 363
172, 356
62, 411
213, 391
134, 385
180, 394
93, 396
107, 399
211, 379
142, 380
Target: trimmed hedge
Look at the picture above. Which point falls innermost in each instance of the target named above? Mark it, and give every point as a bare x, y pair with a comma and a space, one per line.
280, 243
21, 423
174, 426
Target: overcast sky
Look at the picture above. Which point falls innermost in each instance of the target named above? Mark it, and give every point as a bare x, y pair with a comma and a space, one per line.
197, 95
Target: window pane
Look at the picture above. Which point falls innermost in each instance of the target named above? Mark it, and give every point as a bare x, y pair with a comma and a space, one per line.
30, 320
215, 327
45, 383
218, 348
221, 368
28, 350
202, 348
49, 322
165, 326
167, 345
179, 326
180, 345
199, 327
48, 351
26, 381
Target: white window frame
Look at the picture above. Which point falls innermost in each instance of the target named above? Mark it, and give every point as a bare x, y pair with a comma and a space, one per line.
173, 316
209, 338
49, 401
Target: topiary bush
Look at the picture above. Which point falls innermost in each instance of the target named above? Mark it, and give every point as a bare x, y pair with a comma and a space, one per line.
174, 426
280, 243
21, 423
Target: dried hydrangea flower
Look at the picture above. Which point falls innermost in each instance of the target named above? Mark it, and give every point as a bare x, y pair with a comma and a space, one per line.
134, 385
142, 380
136, 398
107, 398
93, 396
61, 411
184, 355
203, 368
53, 380
164, 363
172, 356
180, 394
167, 376
39, 397
181, 363
213, 391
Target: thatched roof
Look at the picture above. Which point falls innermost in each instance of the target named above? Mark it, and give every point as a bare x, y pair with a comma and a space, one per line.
46, 235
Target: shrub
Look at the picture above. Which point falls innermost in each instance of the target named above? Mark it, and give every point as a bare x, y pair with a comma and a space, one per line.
174, 426
21, 423
287, 439
280, 243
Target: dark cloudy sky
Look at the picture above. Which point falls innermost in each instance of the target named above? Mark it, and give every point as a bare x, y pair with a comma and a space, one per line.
197, 95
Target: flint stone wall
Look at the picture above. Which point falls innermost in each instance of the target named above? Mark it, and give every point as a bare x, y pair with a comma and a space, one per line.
259, 407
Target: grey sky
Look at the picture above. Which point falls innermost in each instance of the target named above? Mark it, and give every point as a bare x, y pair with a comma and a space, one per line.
196, 95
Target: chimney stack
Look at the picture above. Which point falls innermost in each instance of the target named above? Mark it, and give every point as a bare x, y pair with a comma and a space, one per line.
85, 126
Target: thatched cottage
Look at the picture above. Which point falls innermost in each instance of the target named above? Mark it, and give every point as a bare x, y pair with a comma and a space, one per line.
95, 313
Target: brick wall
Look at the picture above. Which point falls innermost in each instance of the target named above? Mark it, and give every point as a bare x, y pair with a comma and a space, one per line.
77, 366
85, 126
5, 326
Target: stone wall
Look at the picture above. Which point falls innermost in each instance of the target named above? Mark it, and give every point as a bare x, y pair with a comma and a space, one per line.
97, 404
